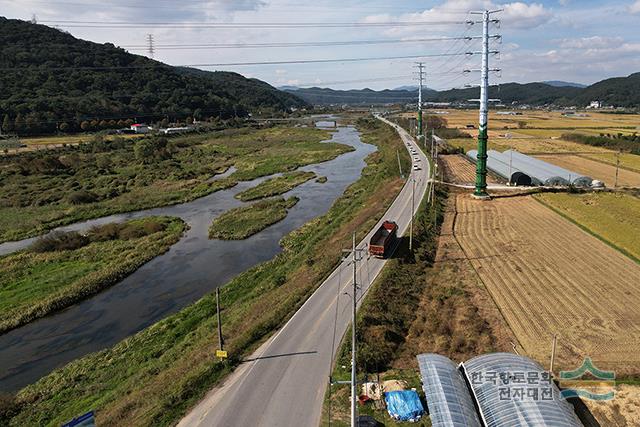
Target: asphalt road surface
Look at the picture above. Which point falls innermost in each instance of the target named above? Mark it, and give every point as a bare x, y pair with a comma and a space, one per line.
283, 383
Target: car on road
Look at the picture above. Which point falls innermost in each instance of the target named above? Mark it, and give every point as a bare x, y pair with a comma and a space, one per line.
416, 168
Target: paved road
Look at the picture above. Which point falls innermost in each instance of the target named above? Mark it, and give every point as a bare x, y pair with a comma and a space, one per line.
283, 383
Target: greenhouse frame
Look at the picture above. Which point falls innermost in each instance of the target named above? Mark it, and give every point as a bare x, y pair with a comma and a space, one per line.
447, 396
521, 169
490, 375
493, 390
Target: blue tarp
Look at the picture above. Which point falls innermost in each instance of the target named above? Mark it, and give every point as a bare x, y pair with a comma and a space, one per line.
404, 405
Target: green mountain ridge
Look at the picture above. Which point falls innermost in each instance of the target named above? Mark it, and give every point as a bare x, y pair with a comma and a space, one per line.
619, 92
50, 77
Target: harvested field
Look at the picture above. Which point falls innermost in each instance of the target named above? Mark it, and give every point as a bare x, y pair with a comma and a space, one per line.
622, 411
547, 277
460, 170
596, 170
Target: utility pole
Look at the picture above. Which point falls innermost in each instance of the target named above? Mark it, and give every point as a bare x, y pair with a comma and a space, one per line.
354, 384
615, 185
481, 163
420, 66
553, 353
399, 164
150, 49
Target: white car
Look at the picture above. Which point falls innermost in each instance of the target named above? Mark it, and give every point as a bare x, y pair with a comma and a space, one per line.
416, 167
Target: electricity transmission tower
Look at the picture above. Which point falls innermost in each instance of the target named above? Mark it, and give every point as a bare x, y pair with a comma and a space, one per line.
481, 163
150, 49
420, 67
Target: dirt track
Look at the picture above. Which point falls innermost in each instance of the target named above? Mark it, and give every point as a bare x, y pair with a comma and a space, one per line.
596, 170
548, 276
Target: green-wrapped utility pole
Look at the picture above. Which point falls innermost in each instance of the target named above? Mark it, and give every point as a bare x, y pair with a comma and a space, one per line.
481, 163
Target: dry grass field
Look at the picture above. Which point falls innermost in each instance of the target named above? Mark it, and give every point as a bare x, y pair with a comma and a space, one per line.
538, 119
627, 161
459, 170
622, 411
595, 169
548, 277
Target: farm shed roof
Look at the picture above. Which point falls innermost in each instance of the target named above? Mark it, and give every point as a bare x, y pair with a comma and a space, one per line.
513, 390
500, 165
526, 170
447, 396
548, 173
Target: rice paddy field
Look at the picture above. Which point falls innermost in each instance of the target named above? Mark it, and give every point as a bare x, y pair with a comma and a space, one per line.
614, 217
540, 133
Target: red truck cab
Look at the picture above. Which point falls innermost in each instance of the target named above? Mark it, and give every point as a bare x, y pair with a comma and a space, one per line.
383, 239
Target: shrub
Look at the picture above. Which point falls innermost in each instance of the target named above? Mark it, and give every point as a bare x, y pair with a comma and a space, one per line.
60, 241
8, 407
82, 196
105, 232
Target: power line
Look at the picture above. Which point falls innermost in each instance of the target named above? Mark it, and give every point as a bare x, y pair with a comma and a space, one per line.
232, 64
292, 44
246, 25
199, 4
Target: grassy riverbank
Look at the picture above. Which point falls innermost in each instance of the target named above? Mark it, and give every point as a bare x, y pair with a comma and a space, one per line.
153, 377
62, 269
276, 186
243, 222
43, 190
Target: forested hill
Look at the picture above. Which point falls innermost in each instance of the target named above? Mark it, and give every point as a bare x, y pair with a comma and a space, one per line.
50, 79
619, 91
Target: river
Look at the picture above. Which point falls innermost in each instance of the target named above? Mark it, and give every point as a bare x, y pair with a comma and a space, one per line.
192, 268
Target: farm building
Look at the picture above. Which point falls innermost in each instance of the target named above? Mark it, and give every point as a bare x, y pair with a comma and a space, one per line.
521, 169
140, 128
500, 165
496, 389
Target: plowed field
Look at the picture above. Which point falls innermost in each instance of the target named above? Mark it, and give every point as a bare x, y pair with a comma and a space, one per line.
459, 170
548, 276
596, 170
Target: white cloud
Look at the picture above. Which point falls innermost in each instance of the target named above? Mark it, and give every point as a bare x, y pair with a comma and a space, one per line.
635, 7
525, 16
517, 15
595, 42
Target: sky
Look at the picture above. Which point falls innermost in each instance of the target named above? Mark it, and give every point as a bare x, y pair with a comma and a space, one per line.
582, 41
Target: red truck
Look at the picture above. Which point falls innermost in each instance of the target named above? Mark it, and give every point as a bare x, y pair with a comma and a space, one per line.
383, 239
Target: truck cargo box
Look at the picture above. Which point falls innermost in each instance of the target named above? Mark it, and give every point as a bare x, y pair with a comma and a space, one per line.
383, 239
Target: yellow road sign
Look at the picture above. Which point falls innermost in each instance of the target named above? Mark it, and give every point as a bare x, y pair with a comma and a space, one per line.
222, 354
